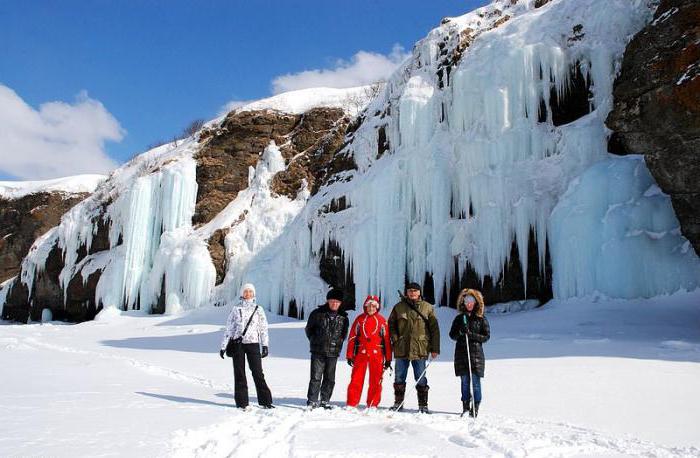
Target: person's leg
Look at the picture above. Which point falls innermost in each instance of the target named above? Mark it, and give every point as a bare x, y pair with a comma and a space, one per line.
400, 373
464, 387
357, 380
255, 362
477, 393
376, 369
328, 379
477, 388
240, 391
421, 384
418, 369
317, 366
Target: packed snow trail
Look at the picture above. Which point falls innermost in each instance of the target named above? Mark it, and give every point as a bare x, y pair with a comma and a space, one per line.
341, 432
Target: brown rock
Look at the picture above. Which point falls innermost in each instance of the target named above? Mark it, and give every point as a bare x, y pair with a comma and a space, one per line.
23, 220
315, 144
223, 161
217, 251
657, 107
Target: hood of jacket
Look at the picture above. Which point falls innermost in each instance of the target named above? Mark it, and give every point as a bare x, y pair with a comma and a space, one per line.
479, 309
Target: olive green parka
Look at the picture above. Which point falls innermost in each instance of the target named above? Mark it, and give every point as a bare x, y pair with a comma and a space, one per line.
410, 338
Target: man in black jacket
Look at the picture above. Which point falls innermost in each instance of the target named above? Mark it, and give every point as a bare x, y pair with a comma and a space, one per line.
326, 329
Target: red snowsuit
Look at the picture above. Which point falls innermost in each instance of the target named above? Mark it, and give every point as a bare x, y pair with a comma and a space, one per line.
369, 346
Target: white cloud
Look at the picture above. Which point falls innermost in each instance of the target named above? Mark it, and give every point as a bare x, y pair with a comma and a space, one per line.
58, 139
364, 68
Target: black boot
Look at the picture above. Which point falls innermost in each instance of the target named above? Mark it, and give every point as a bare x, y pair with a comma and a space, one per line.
476, 409
466, 407
399, 393
422, 391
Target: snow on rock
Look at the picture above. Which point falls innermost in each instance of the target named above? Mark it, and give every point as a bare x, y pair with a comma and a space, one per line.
68, 185
352, 100
615, 233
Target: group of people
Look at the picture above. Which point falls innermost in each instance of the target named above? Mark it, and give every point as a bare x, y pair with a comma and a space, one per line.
410, 337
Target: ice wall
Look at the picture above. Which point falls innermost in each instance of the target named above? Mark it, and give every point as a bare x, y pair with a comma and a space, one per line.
151, 197
615, 232
472, 166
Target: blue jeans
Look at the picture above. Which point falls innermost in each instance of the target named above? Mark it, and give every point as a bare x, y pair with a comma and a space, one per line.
466, 395
401, 370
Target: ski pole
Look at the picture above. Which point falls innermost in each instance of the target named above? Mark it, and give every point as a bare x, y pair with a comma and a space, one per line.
469, 361
415, 385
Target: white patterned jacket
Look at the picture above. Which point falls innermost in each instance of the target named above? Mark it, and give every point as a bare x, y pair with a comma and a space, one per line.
237, 319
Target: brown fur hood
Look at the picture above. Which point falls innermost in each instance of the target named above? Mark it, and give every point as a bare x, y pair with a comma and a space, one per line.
479, 301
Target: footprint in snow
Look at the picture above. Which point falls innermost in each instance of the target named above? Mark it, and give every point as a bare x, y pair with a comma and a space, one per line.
462, 441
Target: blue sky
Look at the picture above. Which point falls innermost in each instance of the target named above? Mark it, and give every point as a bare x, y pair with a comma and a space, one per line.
140, 71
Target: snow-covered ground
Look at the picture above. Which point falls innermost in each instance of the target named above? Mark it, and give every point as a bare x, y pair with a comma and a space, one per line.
584, 377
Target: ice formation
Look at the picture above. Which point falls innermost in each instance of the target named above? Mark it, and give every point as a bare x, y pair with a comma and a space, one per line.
475, 162
472, 166
615, 232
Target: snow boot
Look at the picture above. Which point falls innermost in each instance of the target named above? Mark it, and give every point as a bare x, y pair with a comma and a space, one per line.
399, 393
310, 405
475, 409
466, 408
267, 406
422, 391
325, 405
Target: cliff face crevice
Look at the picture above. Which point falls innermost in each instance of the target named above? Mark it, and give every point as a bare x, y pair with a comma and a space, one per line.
657, 107
308, 143
23, 220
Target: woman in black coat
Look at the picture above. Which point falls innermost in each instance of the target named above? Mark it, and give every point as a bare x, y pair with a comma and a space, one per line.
470, 325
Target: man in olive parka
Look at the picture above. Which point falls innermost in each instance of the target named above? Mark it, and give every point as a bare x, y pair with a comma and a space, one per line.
415, 334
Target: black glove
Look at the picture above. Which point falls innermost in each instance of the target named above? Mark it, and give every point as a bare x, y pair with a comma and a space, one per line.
350, 362
465, 329
265, 352
387, 365
221, 353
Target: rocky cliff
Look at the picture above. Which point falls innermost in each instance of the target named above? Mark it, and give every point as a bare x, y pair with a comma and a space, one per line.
657, 106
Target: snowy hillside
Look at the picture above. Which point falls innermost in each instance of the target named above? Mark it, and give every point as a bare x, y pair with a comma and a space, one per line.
575, 378
481, 162
69, 185
352, 100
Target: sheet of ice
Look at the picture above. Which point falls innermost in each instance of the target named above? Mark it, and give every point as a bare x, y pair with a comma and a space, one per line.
615, 233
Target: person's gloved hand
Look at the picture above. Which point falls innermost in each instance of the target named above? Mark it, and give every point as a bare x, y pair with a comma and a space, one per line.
350, 362
387, 365
221, 353
465, 329
265, 352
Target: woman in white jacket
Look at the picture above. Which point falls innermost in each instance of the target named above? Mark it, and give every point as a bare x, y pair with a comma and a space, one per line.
239, 343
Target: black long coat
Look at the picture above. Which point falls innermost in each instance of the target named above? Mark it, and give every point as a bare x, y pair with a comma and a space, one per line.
326, 331
479, 332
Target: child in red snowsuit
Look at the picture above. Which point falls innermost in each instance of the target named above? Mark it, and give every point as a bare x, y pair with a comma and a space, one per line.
369, 346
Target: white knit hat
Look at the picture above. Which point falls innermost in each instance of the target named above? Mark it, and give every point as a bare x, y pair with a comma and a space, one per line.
246, 286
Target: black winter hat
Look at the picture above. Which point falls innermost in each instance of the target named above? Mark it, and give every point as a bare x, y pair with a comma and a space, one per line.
413, 285
336, 294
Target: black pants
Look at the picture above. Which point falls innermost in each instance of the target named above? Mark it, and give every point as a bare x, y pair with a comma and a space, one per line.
252, 351
322, 377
